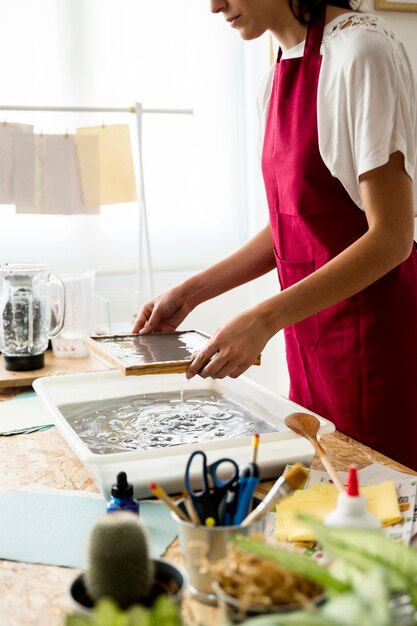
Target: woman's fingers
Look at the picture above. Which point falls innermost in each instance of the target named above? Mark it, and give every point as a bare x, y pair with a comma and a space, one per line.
216, 367
232, 349
162, 314
213, 362
142, 317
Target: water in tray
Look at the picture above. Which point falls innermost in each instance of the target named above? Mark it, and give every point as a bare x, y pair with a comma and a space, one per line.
162, 419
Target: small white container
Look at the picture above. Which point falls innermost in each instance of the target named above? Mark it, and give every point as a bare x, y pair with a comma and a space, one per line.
166, 465
352, 509
79, 288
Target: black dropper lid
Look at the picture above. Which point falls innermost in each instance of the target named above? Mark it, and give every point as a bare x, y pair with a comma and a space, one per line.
122, 489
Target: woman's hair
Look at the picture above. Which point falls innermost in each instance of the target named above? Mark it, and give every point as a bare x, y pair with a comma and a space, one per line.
307, 11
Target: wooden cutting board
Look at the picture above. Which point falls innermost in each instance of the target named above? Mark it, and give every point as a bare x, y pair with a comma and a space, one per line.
54, 366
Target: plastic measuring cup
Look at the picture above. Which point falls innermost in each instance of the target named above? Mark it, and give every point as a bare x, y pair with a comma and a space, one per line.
79, 289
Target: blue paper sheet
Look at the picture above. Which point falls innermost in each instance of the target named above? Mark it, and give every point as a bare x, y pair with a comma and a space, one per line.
24, 413
51, 527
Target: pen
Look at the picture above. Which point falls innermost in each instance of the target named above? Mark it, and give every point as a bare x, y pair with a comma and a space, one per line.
160, 493
246, 488
283, 487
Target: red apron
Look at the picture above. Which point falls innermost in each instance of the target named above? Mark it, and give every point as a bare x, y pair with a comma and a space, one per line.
353, 363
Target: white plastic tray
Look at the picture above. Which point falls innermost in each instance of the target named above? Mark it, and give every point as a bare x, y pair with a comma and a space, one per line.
166, 465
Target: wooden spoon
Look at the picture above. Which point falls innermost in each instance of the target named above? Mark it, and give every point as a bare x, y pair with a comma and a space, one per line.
307, 426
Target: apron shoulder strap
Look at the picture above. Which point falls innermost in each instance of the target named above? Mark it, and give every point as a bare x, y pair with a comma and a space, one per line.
313, 38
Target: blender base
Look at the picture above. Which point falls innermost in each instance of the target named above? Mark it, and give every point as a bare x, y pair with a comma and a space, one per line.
24, 363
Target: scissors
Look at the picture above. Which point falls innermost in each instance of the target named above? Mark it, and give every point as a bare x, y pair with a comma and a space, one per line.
214, 489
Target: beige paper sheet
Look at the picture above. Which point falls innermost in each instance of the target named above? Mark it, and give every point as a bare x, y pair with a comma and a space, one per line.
117, 178
62, 177
28, 190
8, 132
47, 176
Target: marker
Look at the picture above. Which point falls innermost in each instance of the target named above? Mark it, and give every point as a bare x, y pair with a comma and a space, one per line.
160, 493
210, 521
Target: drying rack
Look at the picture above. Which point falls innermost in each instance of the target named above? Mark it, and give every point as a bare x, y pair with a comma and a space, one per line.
144, 249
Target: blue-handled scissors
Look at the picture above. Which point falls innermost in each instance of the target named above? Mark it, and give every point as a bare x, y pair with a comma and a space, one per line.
214, 488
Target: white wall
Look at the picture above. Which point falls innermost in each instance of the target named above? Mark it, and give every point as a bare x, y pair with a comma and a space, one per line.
404, 25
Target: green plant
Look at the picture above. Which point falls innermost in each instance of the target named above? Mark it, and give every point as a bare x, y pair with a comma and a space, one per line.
106, 613
118, 561
368, 569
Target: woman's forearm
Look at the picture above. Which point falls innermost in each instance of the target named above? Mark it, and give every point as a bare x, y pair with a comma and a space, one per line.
254, 259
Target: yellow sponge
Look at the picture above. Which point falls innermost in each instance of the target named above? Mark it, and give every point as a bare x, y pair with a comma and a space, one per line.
321, 498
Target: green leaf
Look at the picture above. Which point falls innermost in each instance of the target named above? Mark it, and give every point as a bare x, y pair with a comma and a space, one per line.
107, 613
78, 620
139, 616
367, 605
293, 561
299, 618
165, 612
366, 549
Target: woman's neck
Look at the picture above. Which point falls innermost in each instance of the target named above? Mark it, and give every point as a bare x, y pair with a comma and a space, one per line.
289, 31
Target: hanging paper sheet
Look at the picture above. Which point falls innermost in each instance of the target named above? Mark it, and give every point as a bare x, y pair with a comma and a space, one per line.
46, 176
8, 132
28, 189
116, 171
62, 177
88, 160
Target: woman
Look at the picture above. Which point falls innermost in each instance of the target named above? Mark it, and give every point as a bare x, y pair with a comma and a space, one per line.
338, 161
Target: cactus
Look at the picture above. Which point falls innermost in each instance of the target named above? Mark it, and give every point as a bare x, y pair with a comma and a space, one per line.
118, 562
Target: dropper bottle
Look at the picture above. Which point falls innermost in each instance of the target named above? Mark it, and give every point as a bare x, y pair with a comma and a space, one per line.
122, 497
352, 510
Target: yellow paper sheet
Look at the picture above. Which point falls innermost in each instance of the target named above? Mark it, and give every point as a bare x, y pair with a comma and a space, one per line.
88, 162
321, 498
115, 164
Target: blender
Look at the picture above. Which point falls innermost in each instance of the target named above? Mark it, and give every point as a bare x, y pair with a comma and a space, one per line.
32, 311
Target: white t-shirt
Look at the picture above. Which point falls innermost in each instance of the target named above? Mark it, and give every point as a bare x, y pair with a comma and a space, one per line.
366, 101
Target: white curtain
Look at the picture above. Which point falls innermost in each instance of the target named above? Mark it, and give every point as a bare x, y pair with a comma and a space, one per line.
166, 55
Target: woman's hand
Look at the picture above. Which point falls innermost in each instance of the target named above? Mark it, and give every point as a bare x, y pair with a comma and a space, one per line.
233, 348
164, 313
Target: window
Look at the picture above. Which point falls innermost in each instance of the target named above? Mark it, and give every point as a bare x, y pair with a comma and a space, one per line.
112, 53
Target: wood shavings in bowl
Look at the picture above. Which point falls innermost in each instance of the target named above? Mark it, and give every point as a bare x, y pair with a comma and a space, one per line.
256, 581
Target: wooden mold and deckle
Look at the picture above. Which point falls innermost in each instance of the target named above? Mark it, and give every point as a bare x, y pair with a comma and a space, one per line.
154, 353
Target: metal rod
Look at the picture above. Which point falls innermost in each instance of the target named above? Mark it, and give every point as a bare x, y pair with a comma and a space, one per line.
131, 109
143, 218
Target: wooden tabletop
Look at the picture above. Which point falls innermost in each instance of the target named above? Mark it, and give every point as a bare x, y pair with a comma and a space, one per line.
36, 595
54, 366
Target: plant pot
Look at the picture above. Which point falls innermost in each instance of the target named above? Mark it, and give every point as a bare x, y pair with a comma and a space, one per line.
234, 613
169, 580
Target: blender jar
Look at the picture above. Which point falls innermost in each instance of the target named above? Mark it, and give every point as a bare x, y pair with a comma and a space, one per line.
28, 318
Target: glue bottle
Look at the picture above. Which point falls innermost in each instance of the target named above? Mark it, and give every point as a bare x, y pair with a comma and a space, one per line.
352, 510
122, 497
